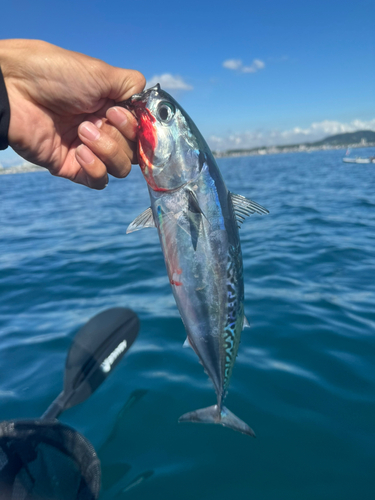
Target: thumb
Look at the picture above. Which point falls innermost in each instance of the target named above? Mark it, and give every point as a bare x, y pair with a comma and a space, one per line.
123, 83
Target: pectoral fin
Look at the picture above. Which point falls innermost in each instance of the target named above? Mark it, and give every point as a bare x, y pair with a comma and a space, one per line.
194, 203
243, 207
194, 215
145, 219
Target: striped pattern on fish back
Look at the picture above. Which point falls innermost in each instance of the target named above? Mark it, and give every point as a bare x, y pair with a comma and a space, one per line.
235, 311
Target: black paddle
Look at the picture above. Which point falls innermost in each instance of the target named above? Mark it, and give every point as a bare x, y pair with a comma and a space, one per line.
97, 348
44, 459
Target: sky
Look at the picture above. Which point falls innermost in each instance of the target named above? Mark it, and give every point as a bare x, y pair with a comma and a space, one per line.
249, 73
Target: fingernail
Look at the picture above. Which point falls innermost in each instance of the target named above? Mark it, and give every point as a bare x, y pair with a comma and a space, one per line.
85, 154
89, 131
98, 122
117, 116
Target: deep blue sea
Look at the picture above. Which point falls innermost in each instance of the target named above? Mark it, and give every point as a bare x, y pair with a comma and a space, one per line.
305, 375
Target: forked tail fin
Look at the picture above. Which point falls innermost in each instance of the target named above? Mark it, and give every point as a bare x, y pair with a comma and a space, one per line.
212, 415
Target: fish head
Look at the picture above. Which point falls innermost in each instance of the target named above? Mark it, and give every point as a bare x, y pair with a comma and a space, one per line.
168, 141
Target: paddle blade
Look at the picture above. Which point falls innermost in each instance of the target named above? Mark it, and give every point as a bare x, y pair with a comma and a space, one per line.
46, 460
96, 350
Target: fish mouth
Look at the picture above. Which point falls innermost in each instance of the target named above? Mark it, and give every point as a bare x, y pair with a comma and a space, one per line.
137, 101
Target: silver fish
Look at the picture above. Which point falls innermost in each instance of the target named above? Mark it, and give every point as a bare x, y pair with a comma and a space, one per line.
198, 220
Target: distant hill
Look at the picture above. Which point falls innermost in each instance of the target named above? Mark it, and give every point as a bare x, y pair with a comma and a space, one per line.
348, 138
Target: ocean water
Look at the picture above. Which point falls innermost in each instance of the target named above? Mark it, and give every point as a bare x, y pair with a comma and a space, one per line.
305, 375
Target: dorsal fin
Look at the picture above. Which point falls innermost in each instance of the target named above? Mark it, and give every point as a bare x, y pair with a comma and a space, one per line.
145, 219
243, 207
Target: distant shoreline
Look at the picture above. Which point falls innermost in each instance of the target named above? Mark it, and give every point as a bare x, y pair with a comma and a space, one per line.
21, 169
24, 168
359, 139
272, 150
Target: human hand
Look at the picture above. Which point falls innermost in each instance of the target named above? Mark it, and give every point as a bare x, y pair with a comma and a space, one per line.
62, 114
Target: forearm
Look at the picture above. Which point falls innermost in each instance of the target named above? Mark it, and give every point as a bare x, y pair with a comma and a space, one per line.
4, 113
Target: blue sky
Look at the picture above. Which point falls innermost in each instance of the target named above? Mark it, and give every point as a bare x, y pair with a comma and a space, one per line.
249, 73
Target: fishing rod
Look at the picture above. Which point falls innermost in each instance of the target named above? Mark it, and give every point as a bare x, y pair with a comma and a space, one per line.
45, 459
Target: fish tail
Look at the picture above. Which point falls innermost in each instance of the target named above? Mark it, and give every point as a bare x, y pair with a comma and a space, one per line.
213, 415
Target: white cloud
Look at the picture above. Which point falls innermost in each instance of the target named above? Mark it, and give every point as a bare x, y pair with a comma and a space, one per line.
232, 63
315, 132
169, 82
236, 64
318, 130
257, 65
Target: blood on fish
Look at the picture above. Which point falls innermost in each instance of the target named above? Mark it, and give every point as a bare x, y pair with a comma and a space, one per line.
148, 141
148, 136
177, 283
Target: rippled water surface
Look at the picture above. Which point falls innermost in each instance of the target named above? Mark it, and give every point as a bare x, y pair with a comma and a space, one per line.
305, 374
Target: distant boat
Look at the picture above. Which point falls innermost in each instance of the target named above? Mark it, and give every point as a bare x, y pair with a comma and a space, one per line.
359, 160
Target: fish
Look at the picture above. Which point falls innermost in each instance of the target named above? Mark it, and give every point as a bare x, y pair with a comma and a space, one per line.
198, 221
137, 481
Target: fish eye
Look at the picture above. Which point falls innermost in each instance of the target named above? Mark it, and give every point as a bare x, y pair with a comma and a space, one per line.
166, 111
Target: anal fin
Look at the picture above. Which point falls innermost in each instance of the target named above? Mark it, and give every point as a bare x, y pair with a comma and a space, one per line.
186, 344
246, 324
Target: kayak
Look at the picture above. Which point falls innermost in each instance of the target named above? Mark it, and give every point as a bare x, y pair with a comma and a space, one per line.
359, 160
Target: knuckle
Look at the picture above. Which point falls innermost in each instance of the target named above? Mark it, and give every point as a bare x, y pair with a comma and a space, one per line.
112, 151
138, 81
